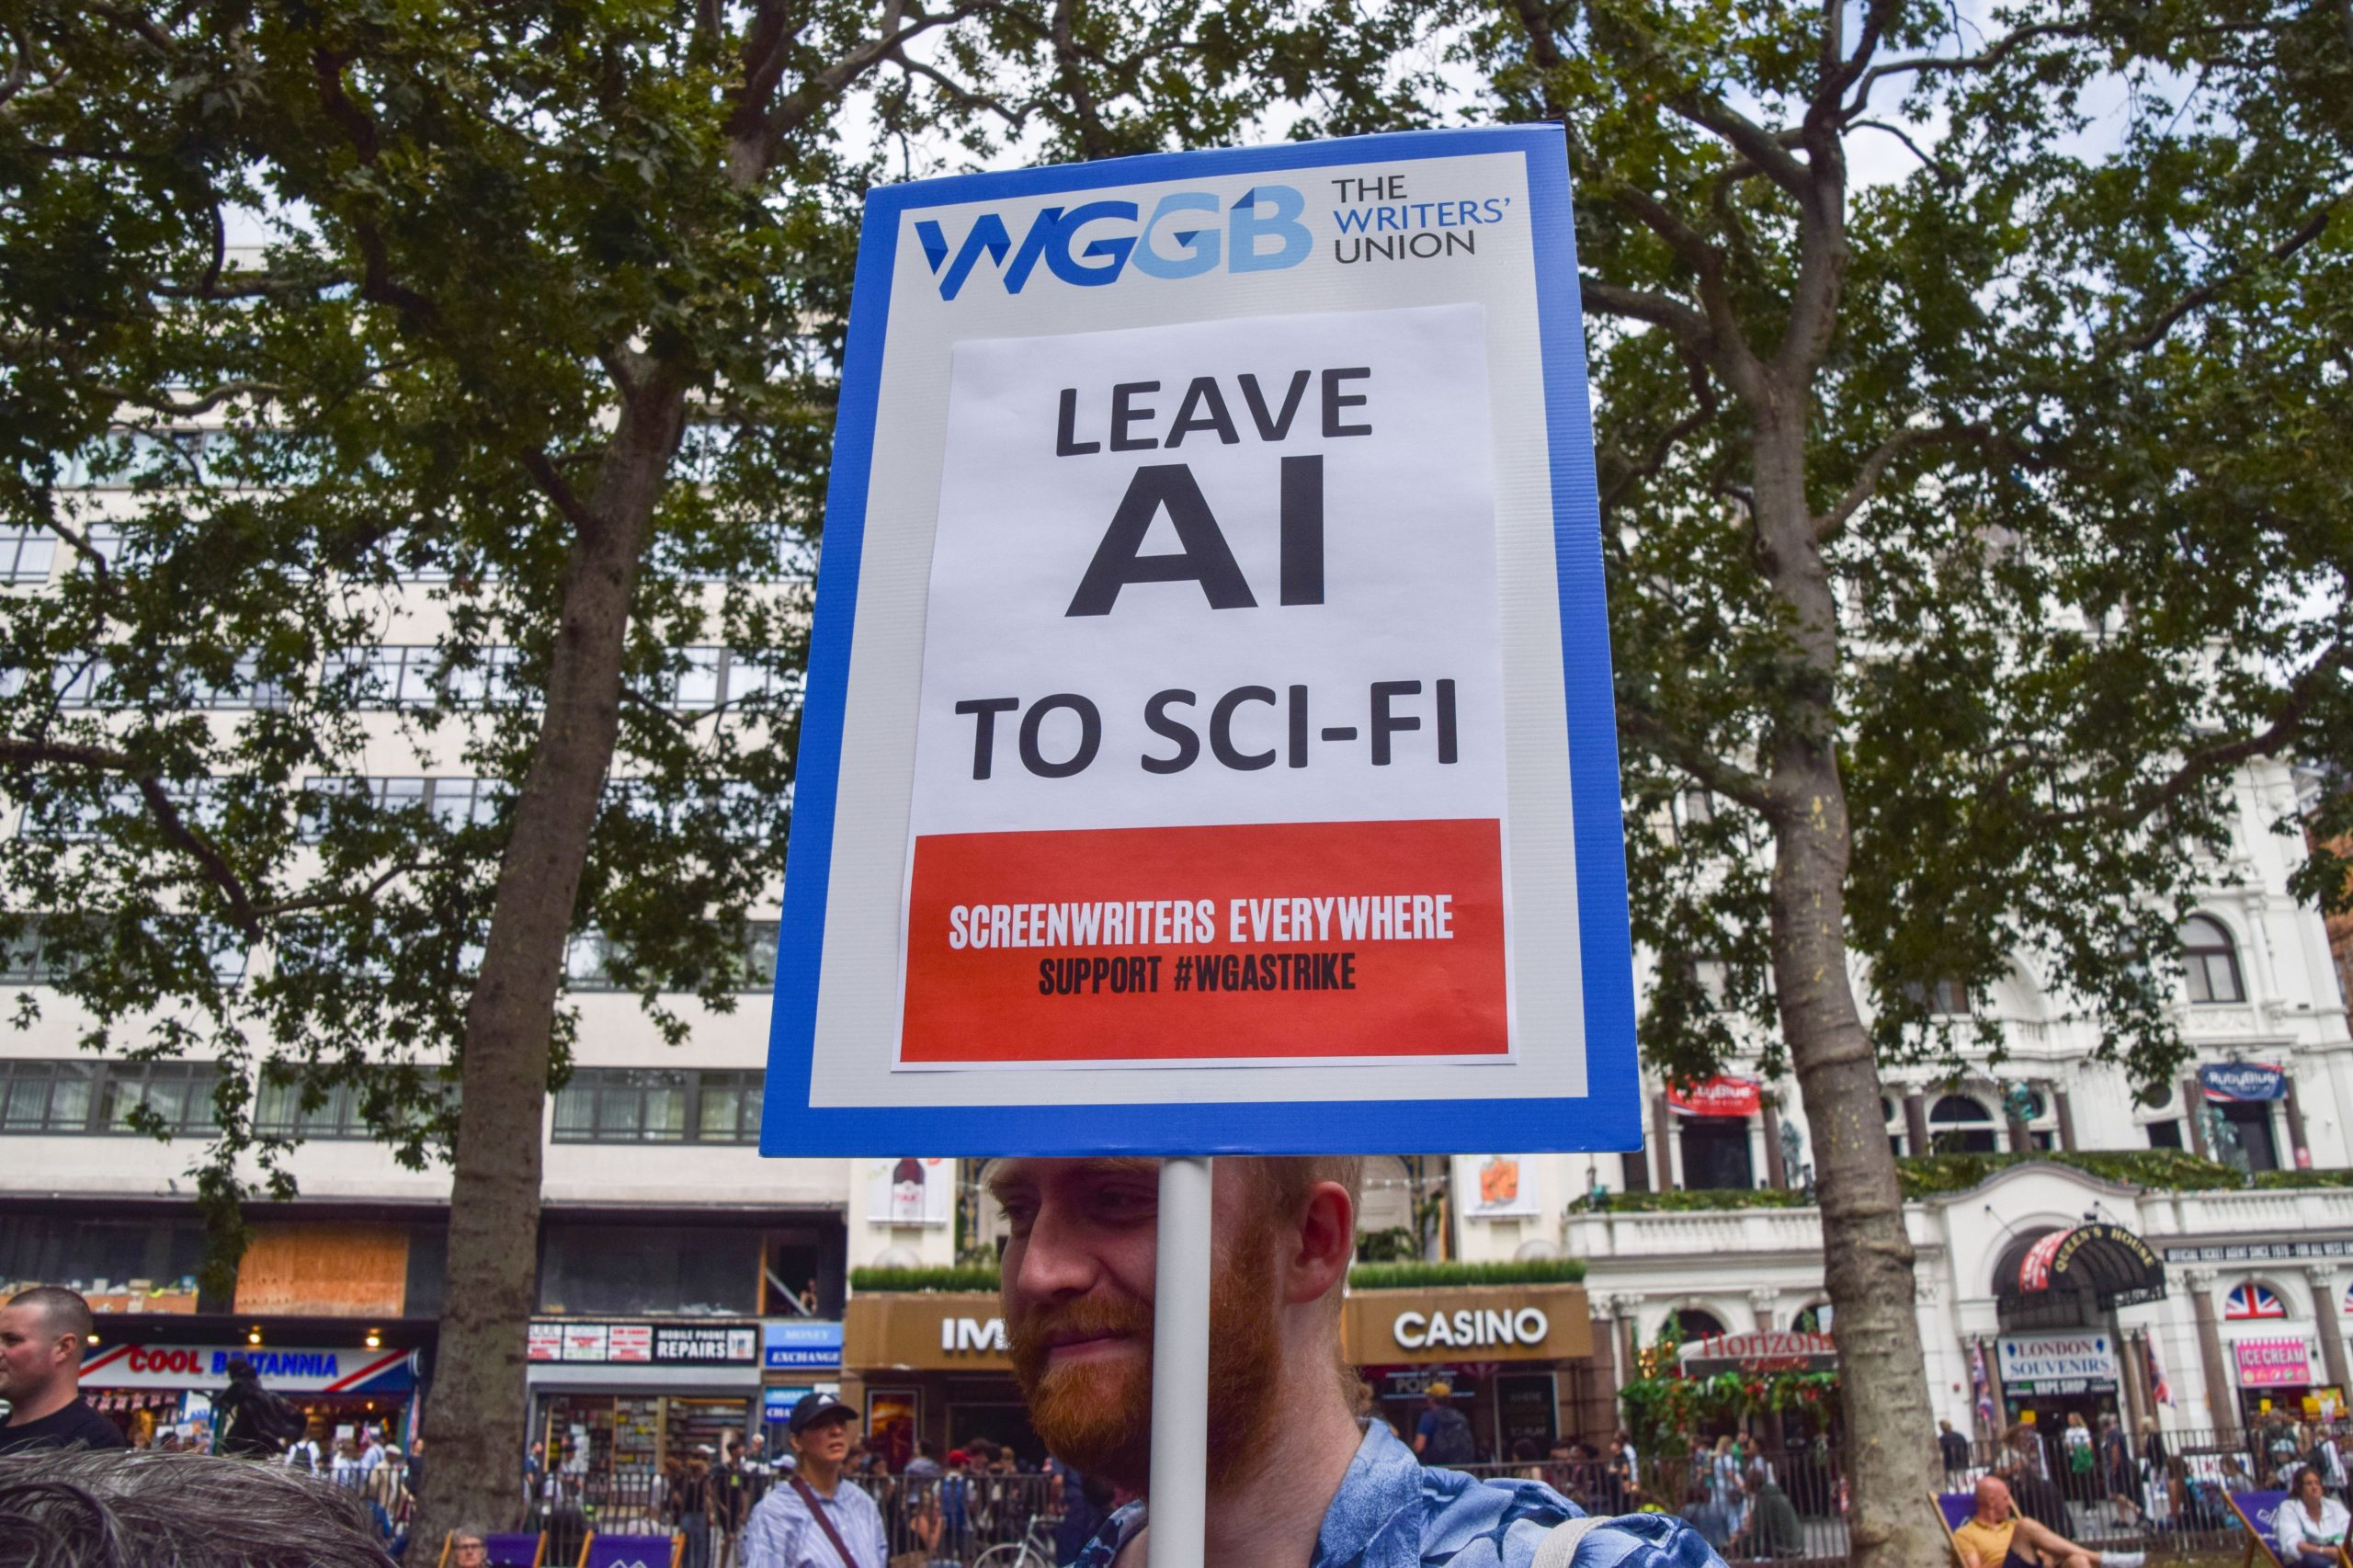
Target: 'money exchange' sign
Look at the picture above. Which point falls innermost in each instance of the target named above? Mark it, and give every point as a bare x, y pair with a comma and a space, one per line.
1208, 742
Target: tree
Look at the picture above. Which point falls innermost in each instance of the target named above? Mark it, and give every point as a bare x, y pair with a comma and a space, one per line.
548, 319
1964, 531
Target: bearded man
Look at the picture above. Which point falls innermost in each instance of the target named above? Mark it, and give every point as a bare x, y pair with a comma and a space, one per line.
1298, 1476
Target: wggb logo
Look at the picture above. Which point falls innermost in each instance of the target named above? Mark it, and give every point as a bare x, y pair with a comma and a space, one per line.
1091, 245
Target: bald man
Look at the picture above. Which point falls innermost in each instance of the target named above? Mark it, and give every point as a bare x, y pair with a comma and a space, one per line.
1997, 1536
42, 1333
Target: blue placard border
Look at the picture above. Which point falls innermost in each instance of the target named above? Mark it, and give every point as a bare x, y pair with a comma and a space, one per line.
1609, 1117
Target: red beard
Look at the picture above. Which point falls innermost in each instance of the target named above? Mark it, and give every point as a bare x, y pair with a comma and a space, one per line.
1096, 1414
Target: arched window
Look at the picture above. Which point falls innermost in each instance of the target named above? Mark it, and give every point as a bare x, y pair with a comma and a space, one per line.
1891, 1111
1697, 1323
1959, 1125
2212, 960
1814, 1318
2248, 1299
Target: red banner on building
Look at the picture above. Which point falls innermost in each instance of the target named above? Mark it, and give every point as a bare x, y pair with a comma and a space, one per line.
1718, 1096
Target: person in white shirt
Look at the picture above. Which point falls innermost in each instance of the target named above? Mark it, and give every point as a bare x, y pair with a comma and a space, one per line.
303, 1453
818, 1518
2310, 1524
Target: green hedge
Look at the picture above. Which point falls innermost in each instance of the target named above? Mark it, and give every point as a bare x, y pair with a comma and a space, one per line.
1691, 1199
2304, 1178
1421, 1275
2170, 1170
964, 1277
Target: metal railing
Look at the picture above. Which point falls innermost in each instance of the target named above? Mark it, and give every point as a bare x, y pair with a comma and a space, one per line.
1786, 1506
953, 1518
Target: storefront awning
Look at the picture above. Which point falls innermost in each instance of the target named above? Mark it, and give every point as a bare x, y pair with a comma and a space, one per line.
2105, 1261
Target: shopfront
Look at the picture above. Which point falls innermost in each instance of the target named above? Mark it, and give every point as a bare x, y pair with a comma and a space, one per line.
620, 1398
170, 1384
798, 1356
1514, 1359
2048, 1377
2276, 1372
932, 1365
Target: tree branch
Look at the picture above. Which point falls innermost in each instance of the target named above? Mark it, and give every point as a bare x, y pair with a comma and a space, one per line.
1977, 62
1704, 393
559, 490
2171, 316
203, 403
1726, 778
1094, 138
1638, 304
806, 101
376, 283
29, 754
238, 285
1946, 173
1875, 468
2203, 764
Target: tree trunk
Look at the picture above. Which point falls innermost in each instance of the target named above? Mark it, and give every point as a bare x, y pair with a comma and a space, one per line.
1867, 1255
475, 1409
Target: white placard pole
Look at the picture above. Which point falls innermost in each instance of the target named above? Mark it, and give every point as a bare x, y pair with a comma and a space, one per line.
1180, 1369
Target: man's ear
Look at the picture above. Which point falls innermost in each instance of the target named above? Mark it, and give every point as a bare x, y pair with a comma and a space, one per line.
1326, 1243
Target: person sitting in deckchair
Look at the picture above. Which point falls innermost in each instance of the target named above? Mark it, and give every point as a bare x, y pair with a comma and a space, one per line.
1997, 1536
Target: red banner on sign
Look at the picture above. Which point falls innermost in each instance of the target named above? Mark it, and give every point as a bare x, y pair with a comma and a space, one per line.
1716, 1096
1264, 942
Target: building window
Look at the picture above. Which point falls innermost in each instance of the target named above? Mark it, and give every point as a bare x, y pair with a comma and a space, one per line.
1946, 998
341, 1115
666, 1104
592, 1269
1891, 1114
418, 675
587, 964
720, 677
2165, 1134
2212, 961
2248, 1299
25, 554
759, 954
88, 1097
1715, 1154
455, 803
1697, 1323
1959, 1125
2247, 1123
40, 954
1815, 1319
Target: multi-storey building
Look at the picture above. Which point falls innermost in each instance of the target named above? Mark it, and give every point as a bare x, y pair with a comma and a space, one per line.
2204, 1307
687, 1286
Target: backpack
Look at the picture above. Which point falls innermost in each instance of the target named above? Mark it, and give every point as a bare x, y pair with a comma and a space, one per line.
1450, 1440
273, 1417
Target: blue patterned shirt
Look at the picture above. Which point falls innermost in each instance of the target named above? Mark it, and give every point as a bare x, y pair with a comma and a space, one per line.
1393, 1512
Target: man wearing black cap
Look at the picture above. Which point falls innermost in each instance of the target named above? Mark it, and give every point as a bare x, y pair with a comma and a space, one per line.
815, 1518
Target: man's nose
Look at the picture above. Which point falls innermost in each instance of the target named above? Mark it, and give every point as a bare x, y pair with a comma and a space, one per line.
1055, 1259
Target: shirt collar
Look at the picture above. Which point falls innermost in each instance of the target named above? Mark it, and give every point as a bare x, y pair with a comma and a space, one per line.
1383, 1486
1384, 1482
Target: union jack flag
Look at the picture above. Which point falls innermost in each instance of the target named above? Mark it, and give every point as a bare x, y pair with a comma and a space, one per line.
2159, 1387
2251, 1300
1983, 1386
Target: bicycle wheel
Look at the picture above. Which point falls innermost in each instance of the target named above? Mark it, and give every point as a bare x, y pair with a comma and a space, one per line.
1012, 1554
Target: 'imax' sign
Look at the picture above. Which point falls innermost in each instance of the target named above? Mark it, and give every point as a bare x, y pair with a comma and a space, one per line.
958, 1335
1091, 245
